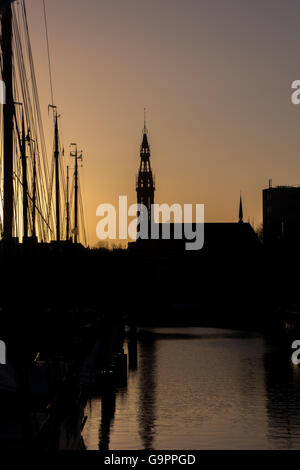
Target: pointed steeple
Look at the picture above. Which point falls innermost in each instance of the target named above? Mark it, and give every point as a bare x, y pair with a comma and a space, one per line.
145, 144
241, 215
145, 180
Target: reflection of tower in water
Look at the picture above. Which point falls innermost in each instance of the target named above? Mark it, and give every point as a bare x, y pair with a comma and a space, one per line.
147, 392
108, 408
110, 392
132, 349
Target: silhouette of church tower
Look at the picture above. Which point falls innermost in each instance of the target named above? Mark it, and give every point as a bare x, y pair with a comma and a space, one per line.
145, 186
241, 215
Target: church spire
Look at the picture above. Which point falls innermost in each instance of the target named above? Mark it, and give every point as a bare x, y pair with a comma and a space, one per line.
145, 144
241, 215
145, 181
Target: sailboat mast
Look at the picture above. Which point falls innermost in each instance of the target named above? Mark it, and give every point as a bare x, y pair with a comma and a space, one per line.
8, 112
68, 207
77, 157
76, 197
56, 158
24, 183
34, 195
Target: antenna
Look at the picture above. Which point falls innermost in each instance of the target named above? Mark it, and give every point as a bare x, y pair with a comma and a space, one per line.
145, 130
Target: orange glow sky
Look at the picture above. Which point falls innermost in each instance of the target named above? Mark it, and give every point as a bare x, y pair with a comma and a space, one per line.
215, 77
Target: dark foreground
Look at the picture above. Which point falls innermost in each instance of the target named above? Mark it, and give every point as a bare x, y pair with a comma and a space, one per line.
63, 313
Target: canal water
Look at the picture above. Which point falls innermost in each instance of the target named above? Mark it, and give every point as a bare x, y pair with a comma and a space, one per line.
200, 388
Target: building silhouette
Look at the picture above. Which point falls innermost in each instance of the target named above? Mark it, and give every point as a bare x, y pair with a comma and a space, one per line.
281, 215
145, 185
220, 238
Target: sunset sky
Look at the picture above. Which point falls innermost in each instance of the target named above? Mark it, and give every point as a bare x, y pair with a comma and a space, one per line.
215, 77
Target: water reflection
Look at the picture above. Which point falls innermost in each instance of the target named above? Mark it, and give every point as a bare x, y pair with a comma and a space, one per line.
132, 349
282, 380
147, 392
108, 409
200, 388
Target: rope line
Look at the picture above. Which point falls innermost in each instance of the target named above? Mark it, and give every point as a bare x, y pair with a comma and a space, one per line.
48, 50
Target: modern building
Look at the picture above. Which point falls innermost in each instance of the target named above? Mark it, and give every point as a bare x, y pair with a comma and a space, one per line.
281, 215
